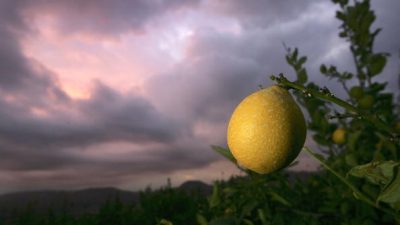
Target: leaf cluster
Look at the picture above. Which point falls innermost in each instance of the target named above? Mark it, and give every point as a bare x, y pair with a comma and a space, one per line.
362, 171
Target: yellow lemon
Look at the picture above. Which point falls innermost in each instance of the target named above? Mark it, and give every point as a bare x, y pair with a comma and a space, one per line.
267, 130
339, 136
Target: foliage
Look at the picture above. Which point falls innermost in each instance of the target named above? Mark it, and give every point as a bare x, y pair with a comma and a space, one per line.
155, 207
360, 174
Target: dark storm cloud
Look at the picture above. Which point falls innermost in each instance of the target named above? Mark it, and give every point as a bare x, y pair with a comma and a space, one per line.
129, 117
387, 41
308, 27
20, 76
255, 13
219, 70
388, 20
32, 142
64, 170
107, 116
81, 173
205, 86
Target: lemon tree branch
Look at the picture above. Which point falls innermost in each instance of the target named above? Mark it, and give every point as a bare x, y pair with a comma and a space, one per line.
326, 95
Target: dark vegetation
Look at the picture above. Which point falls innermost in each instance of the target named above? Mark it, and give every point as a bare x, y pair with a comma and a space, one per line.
103, 205
113, 206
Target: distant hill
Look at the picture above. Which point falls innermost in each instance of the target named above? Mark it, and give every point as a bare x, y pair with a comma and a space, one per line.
90, 200
196, 186
78, 202
74, 202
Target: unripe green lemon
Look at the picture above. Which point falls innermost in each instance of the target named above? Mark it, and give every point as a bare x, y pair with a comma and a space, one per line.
356, 92
339, 136
366, 102
267, 130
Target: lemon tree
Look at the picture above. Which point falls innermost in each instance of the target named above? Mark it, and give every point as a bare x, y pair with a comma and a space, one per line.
357, 138
267, 130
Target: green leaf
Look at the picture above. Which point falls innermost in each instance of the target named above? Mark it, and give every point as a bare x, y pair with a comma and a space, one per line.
302, 76
262, 217
224, 152
391, 193
215, 199
323, 69
294, 55
353, 138
340, 15
247, 208
379, 173
351, 159
275, 196
201, 219
302, 60
376, 64
289, 60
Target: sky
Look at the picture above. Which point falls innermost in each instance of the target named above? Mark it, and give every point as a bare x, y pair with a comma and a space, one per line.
128, 93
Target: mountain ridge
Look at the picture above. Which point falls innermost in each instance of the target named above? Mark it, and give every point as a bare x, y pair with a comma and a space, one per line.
90, 200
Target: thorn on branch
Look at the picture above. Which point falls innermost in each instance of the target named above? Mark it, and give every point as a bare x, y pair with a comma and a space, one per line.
326, 91
341, 116
307, 94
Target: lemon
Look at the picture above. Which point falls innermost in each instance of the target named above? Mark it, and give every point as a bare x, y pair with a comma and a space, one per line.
366, 102
339, 136
266, 130
356, 92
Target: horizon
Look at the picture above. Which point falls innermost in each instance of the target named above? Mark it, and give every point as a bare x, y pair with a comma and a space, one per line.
166, 184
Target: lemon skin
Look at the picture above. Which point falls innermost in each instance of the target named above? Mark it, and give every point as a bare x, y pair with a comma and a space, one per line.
339, 136
366, 102
266, 130
356, 92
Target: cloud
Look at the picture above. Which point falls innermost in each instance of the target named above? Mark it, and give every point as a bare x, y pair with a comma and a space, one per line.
263, 14
131, 117
221, 67
386, 41
111, 136
21, 76
387, 19
106, 117
106, 17
41, 125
